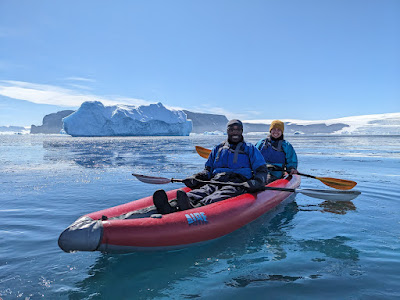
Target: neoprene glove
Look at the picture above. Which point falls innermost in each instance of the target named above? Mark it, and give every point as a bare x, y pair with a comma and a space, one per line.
191, 182
253, 185
203, 175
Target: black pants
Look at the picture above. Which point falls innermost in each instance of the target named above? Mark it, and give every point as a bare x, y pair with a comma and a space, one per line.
211, 193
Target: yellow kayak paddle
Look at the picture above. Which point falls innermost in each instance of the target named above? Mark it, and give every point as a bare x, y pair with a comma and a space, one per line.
340, 184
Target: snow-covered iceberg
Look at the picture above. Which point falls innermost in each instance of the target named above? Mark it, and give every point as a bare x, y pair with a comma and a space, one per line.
216, 132
95, 119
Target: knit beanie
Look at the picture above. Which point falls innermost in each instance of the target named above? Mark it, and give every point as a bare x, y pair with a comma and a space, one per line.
277, 124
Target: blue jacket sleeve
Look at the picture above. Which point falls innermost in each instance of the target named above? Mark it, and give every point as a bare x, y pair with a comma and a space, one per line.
211, 159
256, 158
259, 144
291, 157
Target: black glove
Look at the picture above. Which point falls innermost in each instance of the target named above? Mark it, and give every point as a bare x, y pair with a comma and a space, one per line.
261, 174
191, 182
194, 181
253, 185
203, 175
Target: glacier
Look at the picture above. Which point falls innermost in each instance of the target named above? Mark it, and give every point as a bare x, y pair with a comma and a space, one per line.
94, 119
376, 124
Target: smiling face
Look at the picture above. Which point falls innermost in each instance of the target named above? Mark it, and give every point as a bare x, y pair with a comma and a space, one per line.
235, 133
276, 133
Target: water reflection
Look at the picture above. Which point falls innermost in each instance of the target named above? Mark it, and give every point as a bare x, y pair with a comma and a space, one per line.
116, 152
333, 248
168, 268
243, 281
339, 208
163, 274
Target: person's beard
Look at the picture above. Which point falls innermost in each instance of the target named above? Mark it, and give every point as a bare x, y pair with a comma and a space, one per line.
236, 141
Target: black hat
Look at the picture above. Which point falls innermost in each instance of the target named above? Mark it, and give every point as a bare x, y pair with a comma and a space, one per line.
234, 122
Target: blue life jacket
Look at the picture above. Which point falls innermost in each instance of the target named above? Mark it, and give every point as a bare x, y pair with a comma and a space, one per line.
273, 155
244, 159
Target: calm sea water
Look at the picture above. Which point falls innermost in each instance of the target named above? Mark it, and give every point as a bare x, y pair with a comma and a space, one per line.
306, 249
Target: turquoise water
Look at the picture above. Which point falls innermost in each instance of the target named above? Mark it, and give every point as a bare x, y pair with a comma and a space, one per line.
306, 249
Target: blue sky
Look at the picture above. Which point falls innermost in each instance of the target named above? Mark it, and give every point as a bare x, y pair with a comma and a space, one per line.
286, 59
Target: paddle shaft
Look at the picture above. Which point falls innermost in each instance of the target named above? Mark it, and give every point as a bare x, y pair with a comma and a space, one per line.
239, 185
328, 195
306, 175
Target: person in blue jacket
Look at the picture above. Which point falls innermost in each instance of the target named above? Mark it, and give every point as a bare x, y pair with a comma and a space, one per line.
278, 153
233, 161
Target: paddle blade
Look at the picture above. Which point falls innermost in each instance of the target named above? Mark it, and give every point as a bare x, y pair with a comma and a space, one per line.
329, 195
203, 152
340, 184
152, 179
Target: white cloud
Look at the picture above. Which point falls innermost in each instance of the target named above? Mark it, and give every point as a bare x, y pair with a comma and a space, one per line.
80, 86
80, 79
79, 82
129, 101
54, 95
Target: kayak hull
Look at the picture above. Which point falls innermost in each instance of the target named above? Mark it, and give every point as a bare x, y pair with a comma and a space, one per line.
105, 231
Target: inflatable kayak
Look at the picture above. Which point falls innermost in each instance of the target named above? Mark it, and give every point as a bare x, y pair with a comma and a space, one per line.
135, 226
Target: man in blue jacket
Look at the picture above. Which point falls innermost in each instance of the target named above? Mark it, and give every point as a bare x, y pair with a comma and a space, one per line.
232, 161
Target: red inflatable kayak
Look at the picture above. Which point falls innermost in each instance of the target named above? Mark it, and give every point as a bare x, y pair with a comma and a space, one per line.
114, 229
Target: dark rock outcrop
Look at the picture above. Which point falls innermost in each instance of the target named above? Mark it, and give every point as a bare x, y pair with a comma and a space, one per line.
52, 123
206, 122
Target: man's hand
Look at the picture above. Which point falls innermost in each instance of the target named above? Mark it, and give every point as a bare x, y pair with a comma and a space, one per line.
203, 175
253, 185
191, 182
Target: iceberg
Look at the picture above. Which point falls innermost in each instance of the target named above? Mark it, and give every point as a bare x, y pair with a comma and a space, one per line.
216, 132
95, 119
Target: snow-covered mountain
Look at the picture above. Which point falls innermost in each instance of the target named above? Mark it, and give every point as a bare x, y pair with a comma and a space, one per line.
95, 119
13, 129
379, 124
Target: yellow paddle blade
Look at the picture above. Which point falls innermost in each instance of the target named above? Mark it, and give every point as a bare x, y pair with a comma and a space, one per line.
340, 184
203, 152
